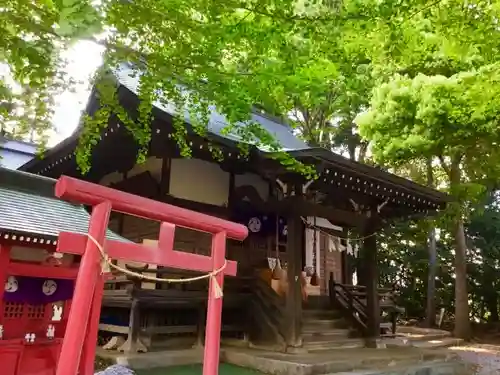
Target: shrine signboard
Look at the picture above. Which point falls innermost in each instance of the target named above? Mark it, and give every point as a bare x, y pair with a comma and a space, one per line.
78, 348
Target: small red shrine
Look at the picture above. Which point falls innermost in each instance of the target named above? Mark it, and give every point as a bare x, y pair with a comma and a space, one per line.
39, 283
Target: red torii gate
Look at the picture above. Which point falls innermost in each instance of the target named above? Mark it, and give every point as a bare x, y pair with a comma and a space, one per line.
83, 322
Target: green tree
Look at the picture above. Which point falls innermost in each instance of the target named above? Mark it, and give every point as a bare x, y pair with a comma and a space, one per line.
32, 70
453, 119
308, 57
483, 233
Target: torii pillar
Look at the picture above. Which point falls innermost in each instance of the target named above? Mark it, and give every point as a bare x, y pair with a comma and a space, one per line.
83, 322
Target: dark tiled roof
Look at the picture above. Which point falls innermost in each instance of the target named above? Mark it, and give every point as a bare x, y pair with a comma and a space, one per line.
128, 79
28, 205
281, 132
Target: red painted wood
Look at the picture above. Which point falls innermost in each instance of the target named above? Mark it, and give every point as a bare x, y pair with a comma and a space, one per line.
83, 320
73, 243
86, 281
20, 358
214, 309
87, 363
9, 358
75, 190
16, 356
39, 358
4, 264
37, 270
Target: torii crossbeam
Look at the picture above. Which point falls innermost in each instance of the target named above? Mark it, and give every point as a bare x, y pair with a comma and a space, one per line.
83, 322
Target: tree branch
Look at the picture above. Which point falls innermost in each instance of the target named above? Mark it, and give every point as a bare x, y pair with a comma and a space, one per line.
444, 165
423, 9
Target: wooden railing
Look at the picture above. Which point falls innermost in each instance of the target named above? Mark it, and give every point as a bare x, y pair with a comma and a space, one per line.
351, 300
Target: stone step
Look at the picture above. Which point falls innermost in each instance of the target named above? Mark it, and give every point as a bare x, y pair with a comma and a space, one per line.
321, 324
421, 334
324, 336
346, 343
409, 367
439, 343
352, 362
317, 302
320, 314
445, 342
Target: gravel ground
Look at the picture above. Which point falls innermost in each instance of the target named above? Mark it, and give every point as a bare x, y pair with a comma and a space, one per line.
484, 359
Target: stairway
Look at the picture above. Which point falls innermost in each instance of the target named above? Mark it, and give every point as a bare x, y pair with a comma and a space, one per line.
324, 329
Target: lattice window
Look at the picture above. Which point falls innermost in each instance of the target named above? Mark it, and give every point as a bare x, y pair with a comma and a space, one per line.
12, 310
36, 311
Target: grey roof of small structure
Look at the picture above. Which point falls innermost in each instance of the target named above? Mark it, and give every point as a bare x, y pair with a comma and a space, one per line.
28, 206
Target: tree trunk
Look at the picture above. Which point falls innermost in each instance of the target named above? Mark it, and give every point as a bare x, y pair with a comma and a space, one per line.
462, 323
489, 292
492, 305
430, 318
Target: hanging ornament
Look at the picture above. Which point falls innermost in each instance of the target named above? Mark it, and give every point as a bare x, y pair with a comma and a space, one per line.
315, 277
277, 271
49, 287
254, 225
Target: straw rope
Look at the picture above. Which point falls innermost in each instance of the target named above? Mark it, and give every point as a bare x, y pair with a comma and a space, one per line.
107, 264
318, 228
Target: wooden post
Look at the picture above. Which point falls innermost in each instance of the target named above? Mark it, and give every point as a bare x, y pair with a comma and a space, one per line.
369, 257
4, 265
331, 289
294, 249
133, 344
84, 298
134, 326
200, 335
214, 309
346, 276
88, 354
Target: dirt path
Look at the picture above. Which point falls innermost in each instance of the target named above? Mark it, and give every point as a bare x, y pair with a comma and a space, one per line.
484, 359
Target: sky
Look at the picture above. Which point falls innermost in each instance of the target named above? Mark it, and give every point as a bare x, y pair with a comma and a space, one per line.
84, 58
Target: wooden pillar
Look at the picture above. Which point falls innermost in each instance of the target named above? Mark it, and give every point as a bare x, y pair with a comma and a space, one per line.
202, 318
346, 274
133, 343
294, 249
370, 268
135, 325
4, 265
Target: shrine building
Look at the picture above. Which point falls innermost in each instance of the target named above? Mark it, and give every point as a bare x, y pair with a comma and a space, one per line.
295, 270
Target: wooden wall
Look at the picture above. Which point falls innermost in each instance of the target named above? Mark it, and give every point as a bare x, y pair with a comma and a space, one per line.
200, 181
